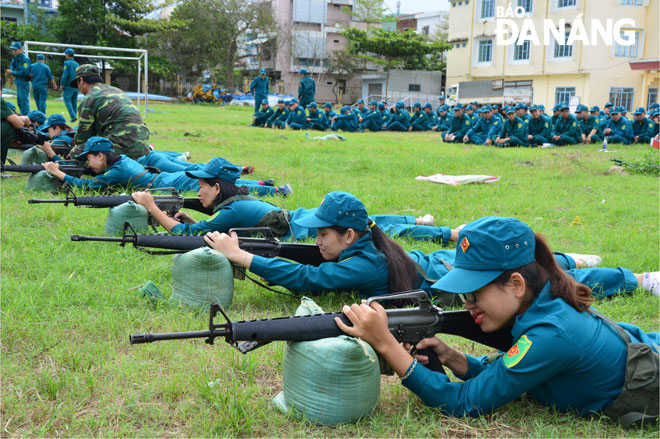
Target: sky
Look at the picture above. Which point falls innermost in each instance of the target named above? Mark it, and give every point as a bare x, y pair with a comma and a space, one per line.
412, 6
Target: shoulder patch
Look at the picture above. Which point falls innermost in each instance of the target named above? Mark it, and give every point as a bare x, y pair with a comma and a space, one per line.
517, 352
574, 123
519, 125
546, 124
650, 125
623, 127
25, 65
212, 216
467, 122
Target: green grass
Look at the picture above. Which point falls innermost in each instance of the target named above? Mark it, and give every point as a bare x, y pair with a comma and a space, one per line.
68, 308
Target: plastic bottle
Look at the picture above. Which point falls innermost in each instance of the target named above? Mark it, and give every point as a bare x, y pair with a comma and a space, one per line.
605, 144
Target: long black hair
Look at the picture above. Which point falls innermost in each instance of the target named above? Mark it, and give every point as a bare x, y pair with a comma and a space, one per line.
227, 189
402, 273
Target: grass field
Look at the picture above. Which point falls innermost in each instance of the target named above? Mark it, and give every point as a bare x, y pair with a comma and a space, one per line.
68, 308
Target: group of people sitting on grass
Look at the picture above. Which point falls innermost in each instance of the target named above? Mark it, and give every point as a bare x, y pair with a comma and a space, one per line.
517, 125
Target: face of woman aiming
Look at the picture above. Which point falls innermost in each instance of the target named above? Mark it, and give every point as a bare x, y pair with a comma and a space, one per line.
207, 193
331, 243
497, 305
97, 162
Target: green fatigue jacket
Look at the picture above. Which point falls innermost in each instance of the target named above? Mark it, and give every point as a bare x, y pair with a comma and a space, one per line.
262, 116
419, 121
585, 126
444, 122
567, 129
460, 125
280, 115
108, 112
516, 129
644, 129
306, 90
540, 127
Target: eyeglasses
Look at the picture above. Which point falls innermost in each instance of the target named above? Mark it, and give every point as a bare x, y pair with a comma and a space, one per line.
468, 298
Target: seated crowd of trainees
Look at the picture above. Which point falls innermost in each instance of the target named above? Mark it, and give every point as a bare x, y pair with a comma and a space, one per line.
361, 257
115, 170
474, 123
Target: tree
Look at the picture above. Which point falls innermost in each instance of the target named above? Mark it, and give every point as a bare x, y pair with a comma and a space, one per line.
343, 66
368, 11
391, 49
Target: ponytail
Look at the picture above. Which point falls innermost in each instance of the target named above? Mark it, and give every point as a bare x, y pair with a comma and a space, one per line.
402, 273
227, 189
544, 269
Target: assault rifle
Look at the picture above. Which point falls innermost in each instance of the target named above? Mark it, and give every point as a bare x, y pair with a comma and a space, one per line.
69, 167
171, 203
60, 150
268, 247
407, 325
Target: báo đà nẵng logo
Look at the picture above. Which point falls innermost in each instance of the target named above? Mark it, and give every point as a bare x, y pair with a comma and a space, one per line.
509, 31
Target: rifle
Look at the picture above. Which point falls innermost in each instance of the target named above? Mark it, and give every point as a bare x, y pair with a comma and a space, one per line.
407, 325
171, 203
69, 167
59, 149
268, 247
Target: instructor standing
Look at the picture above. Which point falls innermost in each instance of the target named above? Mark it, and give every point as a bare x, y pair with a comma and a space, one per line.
20, 68
306, 89
41, 77
70, 94
259, 88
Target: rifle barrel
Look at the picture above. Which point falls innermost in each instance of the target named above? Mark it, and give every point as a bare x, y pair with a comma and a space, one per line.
97, 238
150, 338
33, 201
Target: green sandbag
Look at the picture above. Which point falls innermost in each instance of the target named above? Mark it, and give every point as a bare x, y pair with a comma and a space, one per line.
33, 156
42, 181
329, 381
131, 212
201, 277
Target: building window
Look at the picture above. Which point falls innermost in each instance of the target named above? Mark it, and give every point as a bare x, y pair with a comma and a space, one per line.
467, 2
631, 2
526, 5
10, 19
653, 97
622, 97
485, 54
521, 51
425, 30
563, 95
628, 51
565, 3
563, 50
487, 8
414, 87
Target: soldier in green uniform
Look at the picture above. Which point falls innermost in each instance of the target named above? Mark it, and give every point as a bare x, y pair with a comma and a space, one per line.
618, 129
41, 77
513, 131
316, 118
259, 88
297, 117
279, 117
346, 121
656, 122
460, 124
485, 130
470, 113
260, 118
521, 112
306, 89
588, 126
329, 112
419, 120
70, 94
605, 115
400, 118
556, 114
565, 130
431, 115
20, 69
642, 126
359, 109
373, 120
108, 112
595, 112
539, 127
444, 120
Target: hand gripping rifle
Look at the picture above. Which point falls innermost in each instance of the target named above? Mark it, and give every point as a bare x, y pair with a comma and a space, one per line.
407, 325
171, 203
69, 167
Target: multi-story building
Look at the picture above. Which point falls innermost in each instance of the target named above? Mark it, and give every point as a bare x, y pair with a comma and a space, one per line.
591, 74
16, 10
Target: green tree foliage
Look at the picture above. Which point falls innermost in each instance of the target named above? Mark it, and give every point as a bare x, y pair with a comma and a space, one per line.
393, 49
368, 11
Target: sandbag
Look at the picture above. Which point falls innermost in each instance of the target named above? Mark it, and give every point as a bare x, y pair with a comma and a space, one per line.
43, 181
131, 212
329, 381
33, 156
201, 277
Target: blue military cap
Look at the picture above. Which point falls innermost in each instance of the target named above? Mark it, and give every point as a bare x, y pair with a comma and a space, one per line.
486, 108
580, 108
338, 209
487, 248
69, 51
654, 113
615, 110
293, 101
53, 119
534, 107
458, 106
303, 71
262, 71
281, 101
510, 110
609, 104
327, 105
478, 111
443, 107
541, 107
360, 101
344, 109
654, 105
521, 106
469, 107
475, 103
442, 98
594, 108
15, 45
312, 105
428, 105
556, 108
623, 110
95, 144
264, 101
639, 110
217, 167
417, 105
495, 107
399, 104
374, 103
381, 106
564, 106
41, 56
36, 116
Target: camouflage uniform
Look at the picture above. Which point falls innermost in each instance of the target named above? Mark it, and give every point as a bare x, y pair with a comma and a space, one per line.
108, 112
